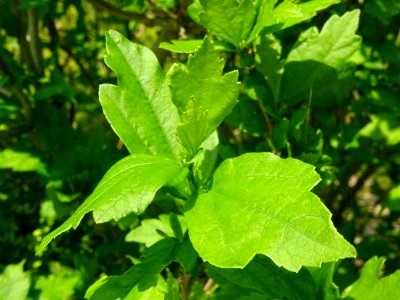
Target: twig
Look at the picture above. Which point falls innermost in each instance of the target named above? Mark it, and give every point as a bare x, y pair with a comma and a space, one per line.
207, 288
184, 282
84, 72
18, 92
33, 40
266, 118
117, 12
15, 131
5, 93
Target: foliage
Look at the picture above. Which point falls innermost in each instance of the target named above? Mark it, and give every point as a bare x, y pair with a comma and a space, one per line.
227, 149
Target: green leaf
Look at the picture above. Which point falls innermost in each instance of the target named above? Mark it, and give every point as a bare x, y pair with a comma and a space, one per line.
323, 277
261, 275
393, 201
190, 46
336, 42
61, 284
21, 162
247, 117
195, 88
194, 128
181, 46
14, 282
280, 134
284, 220
148, 231
138, 280
286, 14
370, 286
139, 108
229, 20
268, 50
383, 127
204, 162
318, 66
129, 186
384, 10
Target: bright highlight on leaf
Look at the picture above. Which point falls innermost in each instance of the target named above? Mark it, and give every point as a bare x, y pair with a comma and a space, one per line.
129, 186
262, 204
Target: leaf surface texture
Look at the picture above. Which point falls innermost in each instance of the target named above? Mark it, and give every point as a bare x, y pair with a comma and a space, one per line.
262, 204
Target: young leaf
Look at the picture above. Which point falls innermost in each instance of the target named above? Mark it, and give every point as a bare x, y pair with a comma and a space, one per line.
369, 286
200, 91
204, 162
129, 186
139, 108
230, 20
193, 129
286, 14
284, 220
319, 62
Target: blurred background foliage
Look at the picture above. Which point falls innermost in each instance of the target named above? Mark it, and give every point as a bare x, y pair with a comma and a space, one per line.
55, 143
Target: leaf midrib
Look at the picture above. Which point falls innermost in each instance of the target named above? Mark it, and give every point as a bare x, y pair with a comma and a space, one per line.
170, 148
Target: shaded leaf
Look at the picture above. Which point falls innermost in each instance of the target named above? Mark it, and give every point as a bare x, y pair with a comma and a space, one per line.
262, 276
140, 281
370, 286
323, 277
318, 66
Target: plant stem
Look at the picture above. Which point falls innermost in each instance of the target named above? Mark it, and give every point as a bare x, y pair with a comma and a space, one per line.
33, 40
184, 282
119, 13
